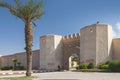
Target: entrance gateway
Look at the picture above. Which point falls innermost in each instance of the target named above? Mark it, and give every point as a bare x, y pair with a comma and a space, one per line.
94, 43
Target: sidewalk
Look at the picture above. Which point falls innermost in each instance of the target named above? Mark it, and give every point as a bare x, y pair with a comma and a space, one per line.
10, 72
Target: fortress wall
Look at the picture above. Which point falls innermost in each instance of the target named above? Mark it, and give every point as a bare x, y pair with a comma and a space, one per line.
21, 57
50, 52
71, 45
88, 44
7, 60
71, 38
116, 49
103, 43
36, 59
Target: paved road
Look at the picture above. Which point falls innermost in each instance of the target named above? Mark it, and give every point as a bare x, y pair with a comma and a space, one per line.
74, 76
78, 76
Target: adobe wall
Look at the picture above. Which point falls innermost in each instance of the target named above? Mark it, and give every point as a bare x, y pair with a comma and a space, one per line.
71, 45
116, 49
7, 60
36, 59
21, 57
50, 52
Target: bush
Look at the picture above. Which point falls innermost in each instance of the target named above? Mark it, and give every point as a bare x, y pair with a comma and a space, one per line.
114, 66
104, 66
11, 67
91, 65
5, 68
0, 67
108, 62
77, 68
83, 66
20, 67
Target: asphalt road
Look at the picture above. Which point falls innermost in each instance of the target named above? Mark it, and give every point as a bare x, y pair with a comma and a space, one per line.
78, 76
67, 75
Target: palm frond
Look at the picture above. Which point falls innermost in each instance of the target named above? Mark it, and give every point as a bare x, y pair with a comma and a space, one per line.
31, 11
18, 3
37, 15
38, 6
5, 5
11, 8
31, 2
36, 11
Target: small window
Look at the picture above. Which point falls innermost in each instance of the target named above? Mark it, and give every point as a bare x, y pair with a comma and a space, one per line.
91, 30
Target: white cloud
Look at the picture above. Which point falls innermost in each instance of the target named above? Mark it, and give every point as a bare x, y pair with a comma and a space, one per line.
116, 30
118, 26
114, 34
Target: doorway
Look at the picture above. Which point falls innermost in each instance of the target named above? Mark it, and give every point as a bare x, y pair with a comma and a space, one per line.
73, 62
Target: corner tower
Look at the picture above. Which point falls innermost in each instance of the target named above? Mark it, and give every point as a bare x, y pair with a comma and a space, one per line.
50, 52
95, 43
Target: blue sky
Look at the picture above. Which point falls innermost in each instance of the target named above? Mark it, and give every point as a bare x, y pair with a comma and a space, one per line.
62, 17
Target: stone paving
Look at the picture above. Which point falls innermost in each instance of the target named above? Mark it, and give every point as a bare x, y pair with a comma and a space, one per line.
72, 76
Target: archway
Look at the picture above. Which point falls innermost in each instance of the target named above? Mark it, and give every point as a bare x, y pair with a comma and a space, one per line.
73, 61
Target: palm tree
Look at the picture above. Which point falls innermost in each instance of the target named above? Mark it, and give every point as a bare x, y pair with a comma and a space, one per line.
28, 13
15, 62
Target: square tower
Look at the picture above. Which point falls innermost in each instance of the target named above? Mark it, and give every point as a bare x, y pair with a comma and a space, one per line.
50, 52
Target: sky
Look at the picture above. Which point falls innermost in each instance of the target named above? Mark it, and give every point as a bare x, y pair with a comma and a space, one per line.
62, 17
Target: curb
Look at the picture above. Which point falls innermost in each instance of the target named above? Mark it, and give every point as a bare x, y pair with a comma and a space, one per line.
11, 72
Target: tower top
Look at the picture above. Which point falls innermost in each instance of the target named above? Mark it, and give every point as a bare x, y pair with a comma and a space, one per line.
95, 25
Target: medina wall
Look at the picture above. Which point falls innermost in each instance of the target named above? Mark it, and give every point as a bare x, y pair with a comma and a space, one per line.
21, 57
116, 49
7, 60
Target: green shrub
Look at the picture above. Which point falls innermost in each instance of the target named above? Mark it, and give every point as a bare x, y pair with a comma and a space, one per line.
0, 67
11, 67
108, 62
91, 65
104, 66
20, 67
83, 66
77, 68
5, 68
114, 66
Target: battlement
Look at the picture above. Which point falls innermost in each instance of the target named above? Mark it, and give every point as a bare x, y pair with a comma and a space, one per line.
71, 37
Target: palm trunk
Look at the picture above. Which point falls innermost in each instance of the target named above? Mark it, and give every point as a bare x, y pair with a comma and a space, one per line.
28, 48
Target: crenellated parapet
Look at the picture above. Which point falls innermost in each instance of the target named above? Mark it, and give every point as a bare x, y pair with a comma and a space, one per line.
71, 37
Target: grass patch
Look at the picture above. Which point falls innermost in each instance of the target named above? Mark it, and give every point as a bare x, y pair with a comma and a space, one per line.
18, 78
93, 70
